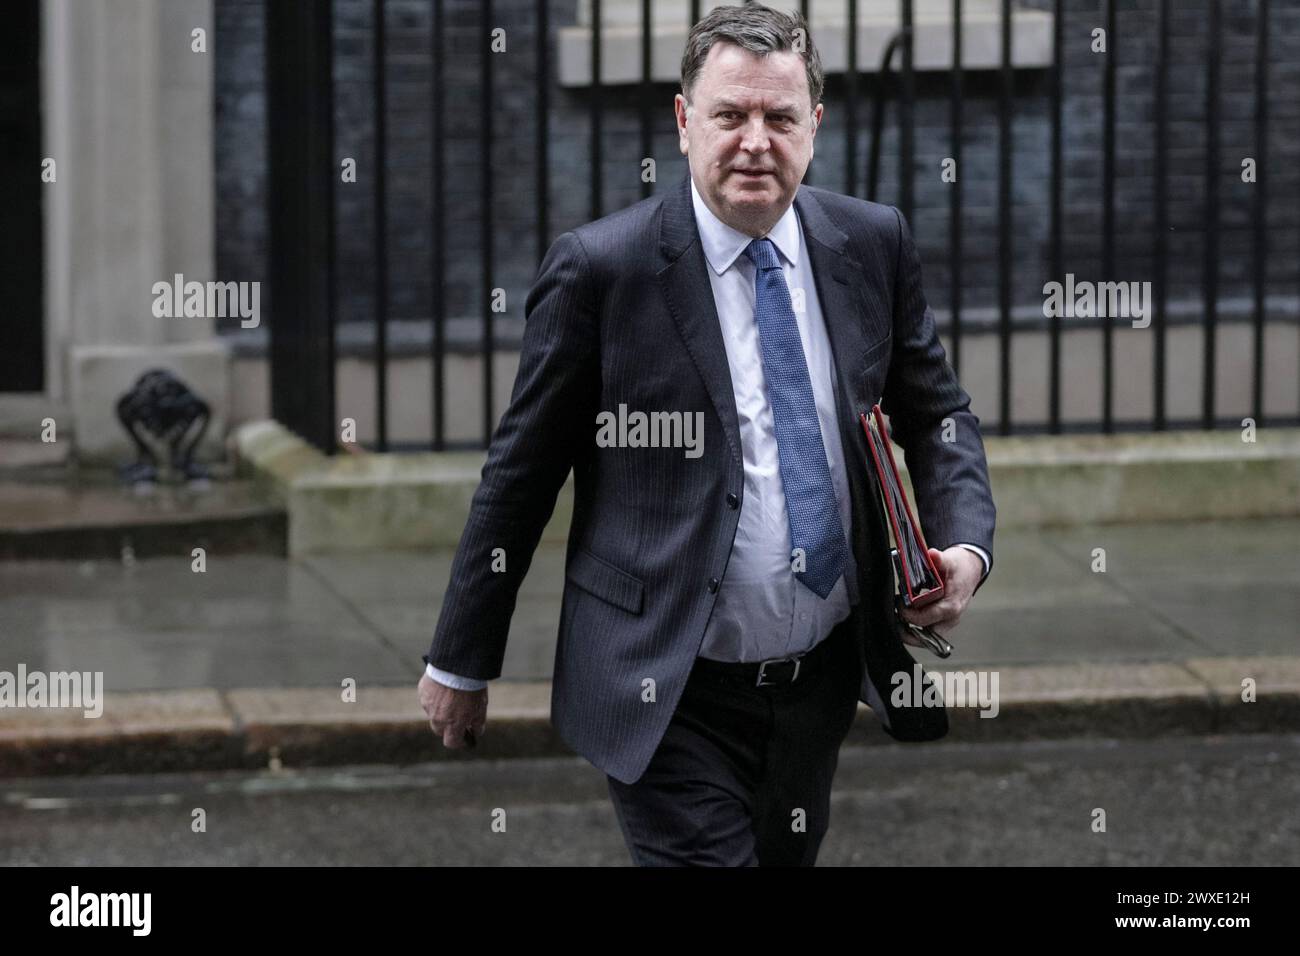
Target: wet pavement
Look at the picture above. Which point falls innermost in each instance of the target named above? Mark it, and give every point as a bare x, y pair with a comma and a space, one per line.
1169, 591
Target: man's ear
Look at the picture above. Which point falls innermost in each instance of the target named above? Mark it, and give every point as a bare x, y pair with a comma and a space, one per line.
680, 110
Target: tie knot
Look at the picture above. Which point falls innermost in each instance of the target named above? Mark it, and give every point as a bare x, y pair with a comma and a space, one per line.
763, 254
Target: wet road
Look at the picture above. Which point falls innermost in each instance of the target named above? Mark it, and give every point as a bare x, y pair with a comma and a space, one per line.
1191, 801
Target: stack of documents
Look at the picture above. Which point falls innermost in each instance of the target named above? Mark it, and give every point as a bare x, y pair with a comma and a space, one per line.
919, 582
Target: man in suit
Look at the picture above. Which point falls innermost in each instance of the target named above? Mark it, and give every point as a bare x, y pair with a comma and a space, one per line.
725, 606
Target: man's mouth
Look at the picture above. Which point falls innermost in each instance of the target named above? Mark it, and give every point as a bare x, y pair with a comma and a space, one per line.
754, 173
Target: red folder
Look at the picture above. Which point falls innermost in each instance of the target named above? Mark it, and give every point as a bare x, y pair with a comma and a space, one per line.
919, 582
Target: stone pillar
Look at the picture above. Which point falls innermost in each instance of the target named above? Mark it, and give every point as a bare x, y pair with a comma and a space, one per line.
128, 118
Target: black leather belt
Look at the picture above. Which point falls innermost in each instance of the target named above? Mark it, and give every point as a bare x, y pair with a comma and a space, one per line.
774, 672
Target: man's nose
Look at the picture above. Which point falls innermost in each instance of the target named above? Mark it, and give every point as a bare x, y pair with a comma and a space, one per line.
755, 138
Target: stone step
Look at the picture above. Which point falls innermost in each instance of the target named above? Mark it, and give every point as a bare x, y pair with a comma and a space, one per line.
27, 459
83, 517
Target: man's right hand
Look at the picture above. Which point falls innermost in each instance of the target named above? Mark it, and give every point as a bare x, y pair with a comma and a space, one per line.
453, 712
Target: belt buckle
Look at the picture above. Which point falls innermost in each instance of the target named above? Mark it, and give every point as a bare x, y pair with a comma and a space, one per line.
762, 669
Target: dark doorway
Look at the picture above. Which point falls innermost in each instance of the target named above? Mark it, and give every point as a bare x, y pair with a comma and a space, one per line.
22, 336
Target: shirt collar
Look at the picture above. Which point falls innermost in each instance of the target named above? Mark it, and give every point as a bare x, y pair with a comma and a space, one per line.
722, 244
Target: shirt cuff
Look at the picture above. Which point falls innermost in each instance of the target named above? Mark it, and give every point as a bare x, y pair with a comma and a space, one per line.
454, 681
983, 556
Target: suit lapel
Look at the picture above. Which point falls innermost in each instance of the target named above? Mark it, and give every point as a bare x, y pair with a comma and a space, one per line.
853, 327
686, 288
854, 320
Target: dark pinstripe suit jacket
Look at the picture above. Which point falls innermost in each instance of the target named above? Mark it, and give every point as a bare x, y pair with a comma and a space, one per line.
622, 312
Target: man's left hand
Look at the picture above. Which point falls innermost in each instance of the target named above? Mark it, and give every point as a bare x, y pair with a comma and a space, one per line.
961, 570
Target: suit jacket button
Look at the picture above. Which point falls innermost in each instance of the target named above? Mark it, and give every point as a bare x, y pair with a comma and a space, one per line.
713, 585
732, 501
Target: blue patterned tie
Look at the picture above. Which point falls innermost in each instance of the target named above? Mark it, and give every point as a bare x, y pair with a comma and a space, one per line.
815, 524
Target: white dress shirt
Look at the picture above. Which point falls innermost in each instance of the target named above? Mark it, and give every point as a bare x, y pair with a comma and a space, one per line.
762, 610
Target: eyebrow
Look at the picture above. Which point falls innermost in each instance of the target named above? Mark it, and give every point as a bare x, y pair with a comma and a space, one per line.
779, 108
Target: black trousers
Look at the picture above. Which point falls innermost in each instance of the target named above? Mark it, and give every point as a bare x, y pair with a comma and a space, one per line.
743, 774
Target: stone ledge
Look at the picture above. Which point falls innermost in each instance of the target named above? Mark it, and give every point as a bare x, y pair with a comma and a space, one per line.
1142, 447
1164, 476
365, 501
360, 502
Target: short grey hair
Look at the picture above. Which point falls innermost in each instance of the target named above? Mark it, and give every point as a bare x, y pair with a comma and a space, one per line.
755, 28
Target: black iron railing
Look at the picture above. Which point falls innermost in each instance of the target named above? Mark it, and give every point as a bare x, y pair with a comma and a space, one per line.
302, 165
